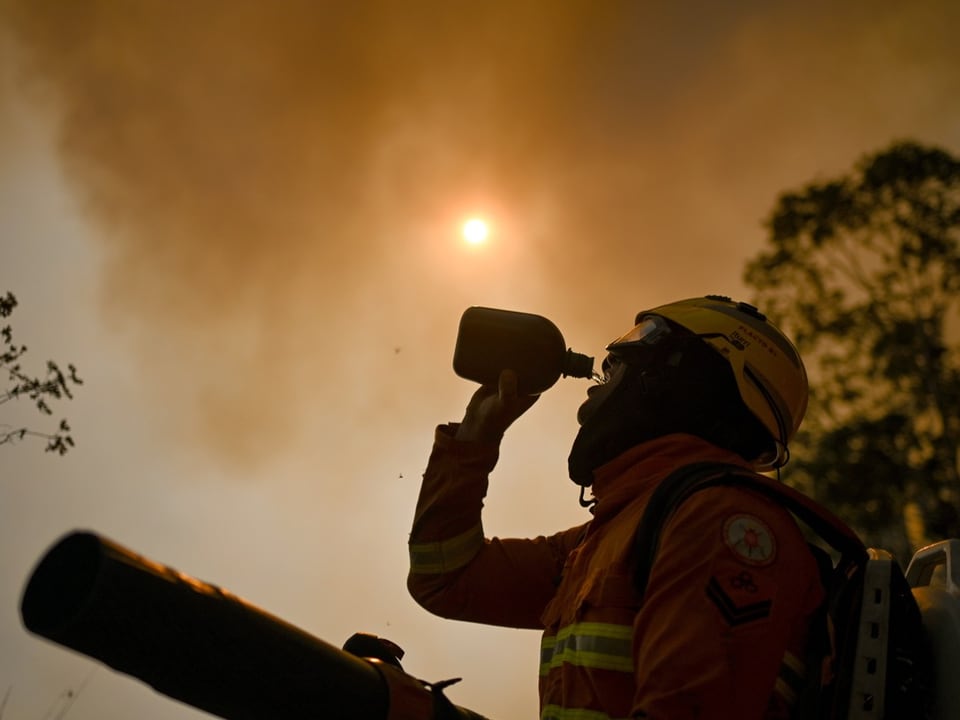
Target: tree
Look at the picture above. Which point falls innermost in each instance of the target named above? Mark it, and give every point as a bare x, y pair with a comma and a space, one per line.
42, 392
863, 271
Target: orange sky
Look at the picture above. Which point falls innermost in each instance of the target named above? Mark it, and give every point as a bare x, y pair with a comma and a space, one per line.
242, 225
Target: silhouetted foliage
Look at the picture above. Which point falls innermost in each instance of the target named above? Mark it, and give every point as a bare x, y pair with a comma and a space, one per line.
864, 272
41, 391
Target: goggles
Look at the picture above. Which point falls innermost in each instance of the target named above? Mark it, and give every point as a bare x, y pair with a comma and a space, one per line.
648, 331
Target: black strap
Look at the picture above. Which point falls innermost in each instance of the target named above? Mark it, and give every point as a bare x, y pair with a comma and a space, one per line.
685, 481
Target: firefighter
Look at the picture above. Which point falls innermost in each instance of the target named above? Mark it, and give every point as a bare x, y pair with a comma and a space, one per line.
721, 628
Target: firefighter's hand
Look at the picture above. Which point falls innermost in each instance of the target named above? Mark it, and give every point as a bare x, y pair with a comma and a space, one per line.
492, 410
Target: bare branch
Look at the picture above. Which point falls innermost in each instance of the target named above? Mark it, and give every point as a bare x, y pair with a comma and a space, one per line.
43, 392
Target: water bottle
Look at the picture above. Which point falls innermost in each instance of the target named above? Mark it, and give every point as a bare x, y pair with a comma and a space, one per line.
491, 340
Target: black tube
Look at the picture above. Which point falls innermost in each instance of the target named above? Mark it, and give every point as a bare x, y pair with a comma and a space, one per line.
192, 641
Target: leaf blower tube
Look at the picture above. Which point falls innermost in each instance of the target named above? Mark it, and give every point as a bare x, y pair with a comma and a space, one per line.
203, 646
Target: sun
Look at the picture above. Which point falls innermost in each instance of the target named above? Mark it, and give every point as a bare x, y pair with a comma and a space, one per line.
475, 231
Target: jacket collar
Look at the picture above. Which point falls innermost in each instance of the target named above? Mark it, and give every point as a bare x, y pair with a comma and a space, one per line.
636, 472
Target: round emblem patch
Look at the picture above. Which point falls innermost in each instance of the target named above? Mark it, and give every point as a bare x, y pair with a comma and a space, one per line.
750, 539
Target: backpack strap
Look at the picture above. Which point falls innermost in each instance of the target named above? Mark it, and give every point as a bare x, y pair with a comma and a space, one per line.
685, 481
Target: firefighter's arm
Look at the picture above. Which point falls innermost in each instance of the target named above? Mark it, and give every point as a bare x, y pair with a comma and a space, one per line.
455, 571
729, 598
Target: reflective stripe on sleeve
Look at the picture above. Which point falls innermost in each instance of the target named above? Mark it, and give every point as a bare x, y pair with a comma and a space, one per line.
791, 679
593, 645
555, 712
446, 555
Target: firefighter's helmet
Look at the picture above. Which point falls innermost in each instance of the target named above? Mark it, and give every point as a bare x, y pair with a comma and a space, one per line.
766, 365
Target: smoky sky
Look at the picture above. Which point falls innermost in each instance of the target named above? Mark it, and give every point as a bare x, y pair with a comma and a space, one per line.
272, 183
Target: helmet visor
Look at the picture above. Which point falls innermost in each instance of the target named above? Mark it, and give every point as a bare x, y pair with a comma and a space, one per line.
648, 331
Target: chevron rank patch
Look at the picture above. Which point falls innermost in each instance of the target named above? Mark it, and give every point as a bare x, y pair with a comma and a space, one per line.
750, 539
741, 594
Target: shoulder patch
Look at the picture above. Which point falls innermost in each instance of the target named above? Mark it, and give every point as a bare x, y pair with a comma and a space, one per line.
750, 539
736, 601
743, 595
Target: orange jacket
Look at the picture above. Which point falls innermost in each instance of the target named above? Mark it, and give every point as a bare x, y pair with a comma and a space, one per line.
719, 633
